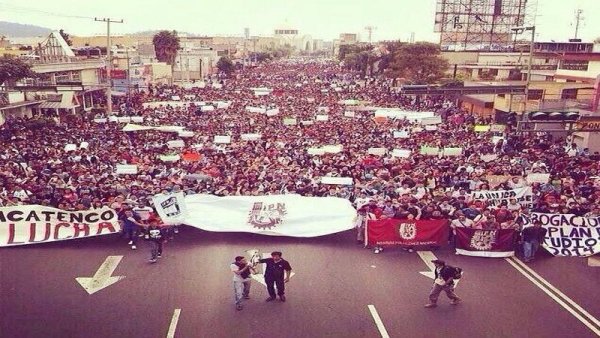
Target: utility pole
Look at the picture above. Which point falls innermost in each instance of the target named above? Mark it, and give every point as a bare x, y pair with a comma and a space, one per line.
128, 77
578, 18
370, 30
108, 62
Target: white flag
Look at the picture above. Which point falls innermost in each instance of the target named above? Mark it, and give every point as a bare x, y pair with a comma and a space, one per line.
275, 215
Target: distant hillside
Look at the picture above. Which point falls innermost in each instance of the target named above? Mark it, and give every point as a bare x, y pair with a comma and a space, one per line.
17, 30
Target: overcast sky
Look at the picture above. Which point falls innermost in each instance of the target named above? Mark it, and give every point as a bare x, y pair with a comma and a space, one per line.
394, 19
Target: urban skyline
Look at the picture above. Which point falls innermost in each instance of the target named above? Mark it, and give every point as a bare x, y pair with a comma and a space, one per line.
554, 21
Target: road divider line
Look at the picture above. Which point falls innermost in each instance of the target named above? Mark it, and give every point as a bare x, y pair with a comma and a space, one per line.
567, 303
173, 325
378, 322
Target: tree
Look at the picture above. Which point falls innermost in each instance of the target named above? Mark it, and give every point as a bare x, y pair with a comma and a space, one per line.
597, 40
419, 63
166, 44
225, 65
13, 69
66, 37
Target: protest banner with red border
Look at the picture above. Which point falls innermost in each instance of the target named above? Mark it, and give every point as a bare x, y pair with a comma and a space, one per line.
29, 224
407, 232
485, 243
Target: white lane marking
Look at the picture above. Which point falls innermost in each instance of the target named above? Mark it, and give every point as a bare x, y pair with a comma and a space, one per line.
567, 303
378, 322
594, 261
103, 277
173, 325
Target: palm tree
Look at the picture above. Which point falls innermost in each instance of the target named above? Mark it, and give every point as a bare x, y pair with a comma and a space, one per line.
166, 44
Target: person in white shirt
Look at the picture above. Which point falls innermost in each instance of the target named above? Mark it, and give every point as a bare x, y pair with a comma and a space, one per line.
241, 280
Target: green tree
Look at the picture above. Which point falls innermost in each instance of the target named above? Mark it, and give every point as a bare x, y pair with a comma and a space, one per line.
166, 44
66, 37
419, 63
225, 65
13, 69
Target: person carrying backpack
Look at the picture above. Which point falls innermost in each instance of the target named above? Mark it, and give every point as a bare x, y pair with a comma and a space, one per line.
444, 281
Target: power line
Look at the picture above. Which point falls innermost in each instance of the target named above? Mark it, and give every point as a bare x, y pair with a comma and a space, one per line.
20, 9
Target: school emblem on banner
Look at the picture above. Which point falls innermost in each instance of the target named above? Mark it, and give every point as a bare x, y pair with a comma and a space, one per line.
407, 230
483, 240
266, 216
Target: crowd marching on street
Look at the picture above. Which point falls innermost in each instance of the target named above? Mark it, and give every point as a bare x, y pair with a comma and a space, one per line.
36, 168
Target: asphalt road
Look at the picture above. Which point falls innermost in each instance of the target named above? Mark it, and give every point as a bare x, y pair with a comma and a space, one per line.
335, 282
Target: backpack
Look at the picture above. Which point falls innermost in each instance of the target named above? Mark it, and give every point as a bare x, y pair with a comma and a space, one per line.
457, 272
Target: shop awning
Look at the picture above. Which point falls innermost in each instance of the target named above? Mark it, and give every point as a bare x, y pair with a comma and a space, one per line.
20, 104
56, 105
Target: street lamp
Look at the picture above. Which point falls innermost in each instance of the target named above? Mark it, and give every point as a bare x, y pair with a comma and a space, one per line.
520, 30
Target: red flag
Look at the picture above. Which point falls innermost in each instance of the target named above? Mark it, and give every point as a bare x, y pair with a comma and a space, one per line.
485, 243
407, 232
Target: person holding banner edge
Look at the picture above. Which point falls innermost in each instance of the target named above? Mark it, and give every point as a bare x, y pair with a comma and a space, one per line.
278, 273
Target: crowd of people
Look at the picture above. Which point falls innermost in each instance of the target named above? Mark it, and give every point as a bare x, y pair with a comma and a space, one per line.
35, 167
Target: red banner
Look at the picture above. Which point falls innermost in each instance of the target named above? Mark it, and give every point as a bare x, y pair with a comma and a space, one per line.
407, 232
485, 243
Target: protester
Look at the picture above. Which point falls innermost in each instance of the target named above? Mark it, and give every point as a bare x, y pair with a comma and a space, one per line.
241, 280
278, 273
157, 234
532, 238
444, 281
131, 228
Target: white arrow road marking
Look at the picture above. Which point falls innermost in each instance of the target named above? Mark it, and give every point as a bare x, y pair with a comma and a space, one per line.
260, 277
378, 322
103, 277
173, 326
567, 303
594, 261
427, 257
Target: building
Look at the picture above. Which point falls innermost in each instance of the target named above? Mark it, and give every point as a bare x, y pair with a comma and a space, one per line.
194, 63
288, 35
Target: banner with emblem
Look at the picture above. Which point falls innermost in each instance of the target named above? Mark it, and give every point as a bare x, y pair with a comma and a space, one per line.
170, 207
274, 215
407, 232
485, 243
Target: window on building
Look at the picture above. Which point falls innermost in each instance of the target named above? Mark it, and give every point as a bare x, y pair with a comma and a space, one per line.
580, 65
569, 94
62, 77
536, 94
76, 76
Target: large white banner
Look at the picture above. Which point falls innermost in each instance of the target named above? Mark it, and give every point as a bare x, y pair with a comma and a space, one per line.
274, 215
568, 234
170, 207
29, 224
494, 198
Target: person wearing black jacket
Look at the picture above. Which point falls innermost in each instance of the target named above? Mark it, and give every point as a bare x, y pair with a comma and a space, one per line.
156, 236
532, 237
277, 272
444, 281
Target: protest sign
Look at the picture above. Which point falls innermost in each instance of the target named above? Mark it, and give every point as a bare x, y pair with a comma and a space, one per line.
185, 133
488, 157
538, 178
431, 127
336, 180
407, 232
429, 151
175, 98
171, 208
322, 117
485, 243
124, 119
256, 110
30, 224
175, 144
417, 129
137, 119
207, 108
349, 114
482, 128
377, 151
500, 128
113, 118
84, 145
272, 112
70, 147
127, 169
100, 120
223, 105
402, 153
323, 109
222, 139
401, 134
191, 156
169, 158
290, 122
315, 151
431, 120
333, 149
568, 234
494, 198
452, 151
251, 137
307, 123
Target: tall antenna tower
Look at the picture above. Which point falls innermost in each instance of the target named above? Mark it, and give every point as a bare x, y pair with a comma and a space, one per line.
578, 19
370, 30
